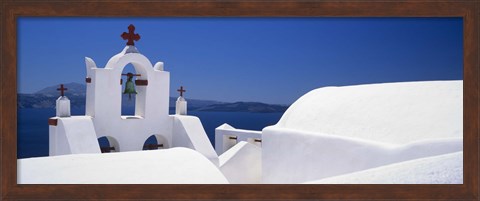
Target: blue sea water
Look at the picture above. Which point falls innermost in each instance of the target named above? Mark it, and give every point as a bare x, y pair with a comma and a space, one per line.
32, 129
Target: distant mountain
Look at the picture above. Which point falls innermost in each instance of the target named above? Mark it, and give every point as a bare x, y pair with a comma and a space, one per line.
73, 89
194, 104
47, 97
244, 107
46, 101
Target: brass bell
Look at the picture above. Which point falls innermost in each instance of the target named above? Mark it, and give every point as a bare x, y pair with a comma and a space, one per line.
129, 86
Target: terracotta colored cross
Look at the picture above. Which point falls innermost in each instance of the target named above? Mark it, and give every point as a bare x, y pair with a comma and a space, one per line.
181, 90
130, 36
62, 89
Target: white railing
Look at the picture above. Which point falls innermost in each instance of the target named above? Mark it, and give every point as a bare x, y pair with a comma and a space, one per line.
227, 136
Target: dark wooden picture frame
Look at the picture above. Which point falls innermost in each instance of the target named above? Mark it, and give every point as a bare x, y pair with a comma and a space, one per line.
12, 10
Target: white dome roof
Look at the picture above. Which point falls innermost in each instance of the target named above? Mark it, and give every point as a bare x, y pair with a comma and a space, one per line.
393, 112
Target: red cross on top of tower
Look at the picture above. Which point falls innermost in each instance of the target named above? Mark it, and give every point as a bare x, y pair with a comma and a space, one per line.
130, 36
62, 89
181, 90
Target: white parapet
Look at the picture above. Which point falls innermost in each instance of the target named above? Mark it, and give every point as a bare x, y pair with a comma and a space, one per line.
188, 132
242, 164
227, 136
73, 135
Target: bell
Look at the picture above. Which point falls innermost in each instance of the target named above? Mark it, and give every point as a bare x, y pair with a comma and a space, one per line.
129, 88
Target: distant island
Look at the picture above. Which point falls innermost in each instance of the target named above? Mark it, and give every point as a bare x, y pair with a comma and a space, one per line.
46, 98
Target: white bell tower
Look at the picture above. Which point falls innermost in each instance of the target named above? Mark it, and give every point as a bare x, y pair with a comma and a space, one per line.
104, 94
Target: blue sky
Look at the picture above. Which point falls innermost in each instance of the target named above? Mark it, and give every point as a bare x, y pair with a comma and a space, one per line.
271, 60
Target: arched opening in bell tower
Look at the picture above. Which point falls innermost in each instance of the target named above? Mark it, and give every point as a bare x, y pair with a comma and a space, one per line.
133, 91
128, 94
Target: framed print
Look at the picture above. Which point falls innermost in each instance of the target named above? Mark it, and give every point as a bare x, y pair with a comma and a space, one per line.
139, 75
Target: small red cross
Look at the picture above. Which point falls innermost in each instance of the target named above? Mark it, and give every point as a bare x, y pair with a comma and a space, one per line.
62, 89
181, 90
130, 36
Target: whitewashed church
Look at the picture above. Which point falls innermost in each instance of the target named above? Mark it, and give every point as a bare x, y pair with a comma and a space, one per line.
408, 133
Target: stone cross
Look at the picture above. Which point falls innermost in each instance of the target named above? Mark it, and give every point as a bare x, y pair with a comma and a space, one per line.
62, 89
130, 36
181, 90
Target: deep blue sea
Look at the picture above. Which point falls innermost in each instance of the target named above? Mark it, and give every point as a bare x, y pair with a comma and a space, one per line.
32, 135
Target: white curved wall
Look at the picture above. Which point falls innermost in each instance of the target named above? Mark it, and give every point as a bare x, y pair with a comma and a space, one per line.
291, 156
442, 169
